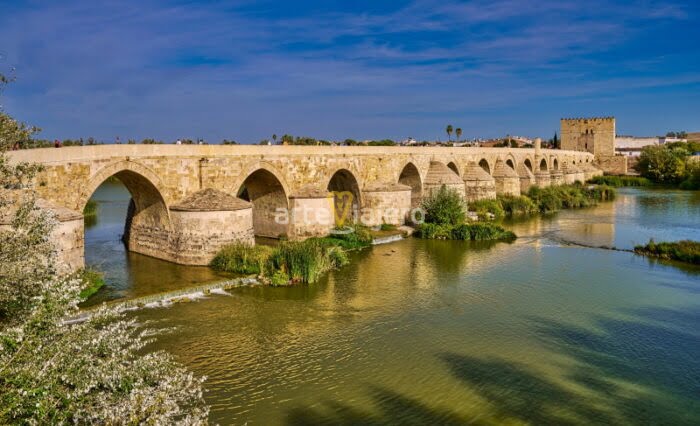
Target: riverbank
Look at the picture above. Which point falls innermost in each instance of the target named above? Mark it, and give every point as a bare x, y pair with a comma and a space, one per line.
683, 251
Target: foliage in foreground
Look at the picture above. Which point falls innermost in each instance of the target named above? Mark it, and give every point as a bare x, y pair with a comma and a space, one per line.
90, 208
685, 251
620, 181
56, 372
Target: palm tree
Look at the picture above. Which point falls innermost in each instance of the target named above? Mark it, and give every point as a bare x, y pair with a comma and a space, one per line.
458, 132
449, 131
274, 137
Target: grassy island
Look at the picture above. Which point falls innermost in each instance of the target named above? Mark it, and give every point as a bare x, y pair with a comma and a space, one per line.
292, 262
92, 281
684, 251
446, 219
620, 181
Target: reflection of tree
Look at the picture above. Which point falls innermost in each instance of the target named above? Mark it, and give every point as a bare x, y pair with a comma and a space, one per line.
644, 370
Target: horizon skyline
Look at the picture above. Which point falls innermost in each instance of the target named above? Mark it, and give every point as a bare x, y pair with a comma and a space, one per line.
328, 70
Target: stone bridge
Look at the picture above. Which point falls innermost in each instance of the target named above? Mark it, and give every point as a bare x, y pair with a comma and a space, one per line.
189, 200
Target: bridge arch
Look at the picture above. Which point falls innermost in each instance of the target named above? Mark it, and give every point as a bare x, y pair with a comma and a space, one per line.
147, 226
555, 164
263, 187
453, 166
341, 182
528, 164
485, 165
543, 165
410, 176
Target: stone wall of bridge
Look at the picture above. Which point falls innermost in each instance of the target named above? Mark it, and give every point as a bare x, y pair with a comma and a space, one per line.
290, 178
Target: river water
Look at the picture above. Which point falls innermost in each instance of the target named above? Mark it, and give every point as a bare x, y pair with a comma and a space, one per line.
541, 331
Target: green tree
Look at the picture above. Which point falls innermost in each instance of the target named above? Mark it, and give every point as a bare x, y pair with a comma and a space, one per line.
458, 132
449, 131
274, 137
53, 371
662, 164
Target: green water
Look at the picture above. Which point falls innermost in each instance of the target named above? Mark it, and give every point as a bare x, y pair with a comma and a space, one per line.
540, 331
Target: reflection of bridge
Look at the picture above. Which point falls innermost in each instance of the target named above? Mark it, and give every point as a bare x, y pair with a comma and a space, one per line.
189, 200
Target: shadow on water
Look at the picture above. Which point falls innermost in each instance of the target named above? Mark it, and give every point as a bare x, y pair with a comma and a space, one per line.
394, 409
643, 370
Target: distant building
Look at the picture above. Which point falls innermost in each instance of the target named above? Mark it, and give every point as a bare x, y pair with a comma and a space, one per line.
631, 146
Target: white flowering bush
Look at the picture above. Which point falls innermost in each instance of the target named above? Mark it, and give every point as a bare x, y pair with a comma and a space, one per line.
56, 371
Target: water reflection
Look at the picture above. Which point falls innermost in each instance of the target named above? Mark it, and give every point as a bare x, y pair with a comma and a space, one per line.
444, 332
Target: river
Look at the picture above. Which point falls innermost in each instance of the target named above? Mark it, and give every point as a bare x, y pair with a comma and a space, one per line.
542, 330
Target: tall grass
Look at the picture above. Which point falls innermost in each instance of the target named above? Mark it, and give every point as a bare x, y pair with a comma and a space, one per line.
487, 209
242, 258
290, 262
684, 251
466, 231
517, 206
620, 181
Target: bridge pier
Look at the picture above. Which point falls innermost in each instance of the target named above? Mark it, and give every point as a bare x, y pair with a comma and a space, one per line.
478, 184
507, 180
386, 203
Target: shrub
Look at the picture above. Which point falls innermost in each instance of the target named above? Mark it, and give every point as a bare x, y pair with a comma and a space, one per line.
517, 206
360, 237
444, 207
242, 258
693, 180
465, 231
685, 251
434, 231
485, 207
305, 261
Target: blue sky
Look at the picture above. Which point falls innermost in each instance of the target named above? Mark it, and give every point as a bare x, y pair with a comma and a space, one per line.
244, 70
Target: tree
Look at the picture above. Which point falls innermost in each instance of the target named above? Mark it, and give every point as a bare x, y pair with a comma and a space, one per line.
58, 372
458, 132
662, 164
449, 131
274, 137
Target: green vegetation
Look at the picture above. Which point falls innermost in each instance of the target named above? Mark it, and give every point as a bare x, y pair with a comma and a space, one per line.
466, 231
487, 209
517, 205
542, 200
671, 164
292, 262
684, 251
620, 181
242, 259
445, 207
445, 219
90, 209
92, 281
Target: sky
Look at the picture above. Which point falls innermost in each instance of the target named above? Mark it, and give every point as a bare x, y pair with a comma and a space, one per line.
245, 70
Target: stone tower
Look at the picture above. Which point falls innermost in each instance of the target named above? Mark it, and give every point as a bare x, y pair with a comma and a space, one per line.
595, 135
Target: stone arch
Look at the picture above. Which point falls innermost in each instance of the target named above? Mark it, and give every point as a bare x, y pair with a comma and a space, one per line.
453, 166
342, 182
555, 164
410, 176
147, 228
510, 163
528, 164
268, 195
485, 165
543, 165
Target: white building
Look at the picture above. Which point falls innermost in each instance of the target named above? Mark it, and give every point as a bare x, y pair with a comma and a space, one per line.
632, 145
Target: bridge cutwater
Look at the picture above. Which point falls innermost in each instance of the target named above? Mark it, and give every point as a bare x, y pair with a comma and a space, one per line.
190, 200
